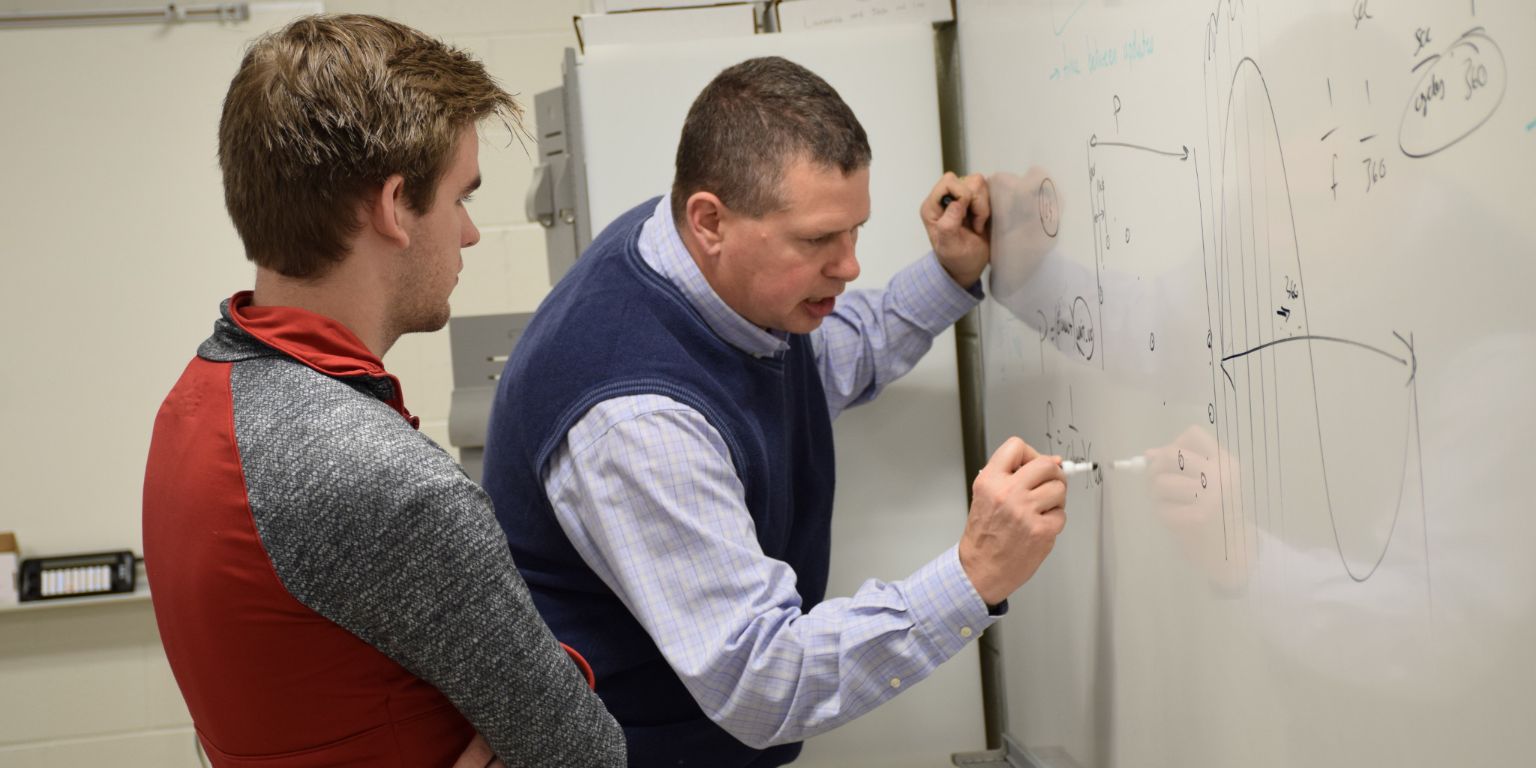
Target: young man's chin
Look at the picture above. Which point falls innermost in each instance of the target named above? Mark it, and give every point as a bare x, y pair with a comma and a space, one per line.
428, 323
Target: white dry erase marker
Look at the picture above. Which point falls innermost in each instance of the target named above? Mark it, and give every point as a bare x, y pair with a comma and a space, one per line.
1133, 464
1070, 468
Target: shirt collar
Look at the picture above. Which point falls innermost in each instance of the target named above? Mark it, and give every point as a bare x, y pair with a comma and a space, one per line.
317, 341
662, 249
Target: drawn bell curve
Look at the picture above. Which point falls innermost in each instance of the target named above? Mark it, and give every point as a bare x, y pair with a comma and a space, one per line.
1312, 426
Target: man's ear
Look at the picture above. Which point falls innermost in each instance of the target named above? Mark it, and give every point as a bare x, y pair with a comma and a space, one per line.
385, 211
704, 217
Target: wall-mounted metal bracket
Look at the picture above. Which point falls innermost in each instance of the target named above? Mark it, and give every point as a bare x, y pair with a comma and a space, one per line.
557, 195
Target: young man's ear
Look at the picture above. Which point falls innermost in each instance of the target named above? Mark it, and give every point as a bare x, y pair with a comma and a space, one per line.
384, 211
703, 217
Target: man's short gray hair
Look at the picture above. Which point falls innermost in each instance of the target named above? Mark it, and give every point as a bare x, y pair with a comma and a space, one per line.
750, 123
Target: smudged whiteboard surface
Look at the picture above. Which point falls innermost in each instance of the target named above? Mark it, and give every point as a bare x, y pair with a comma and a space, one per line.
1284, 251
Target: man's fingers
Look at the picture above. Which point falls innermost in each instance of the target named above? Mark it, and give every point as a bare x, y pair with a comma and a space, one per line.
1057, 518
1198, 439
1174, 487
1009, 456
477, 754
980, 202
968, 202
1049, 495
933, 206
1162, 459
954, 215
1041, 470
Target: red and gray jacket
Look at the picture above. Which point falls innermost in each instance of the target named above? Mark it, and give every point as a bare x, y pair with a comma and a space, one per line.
330, 587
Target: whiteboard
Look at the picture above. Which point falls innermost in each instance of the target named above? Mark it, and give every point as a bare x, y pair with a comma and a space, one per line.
901, 475
1283, 252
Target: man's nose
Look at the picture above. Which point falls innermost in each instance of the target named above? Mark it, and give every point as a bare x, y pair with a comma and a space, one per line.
845, 264
470, 234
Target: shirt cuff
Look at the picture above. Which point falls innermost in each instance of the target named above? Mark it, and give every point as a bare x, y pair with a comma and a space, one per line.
946, 609
929, 297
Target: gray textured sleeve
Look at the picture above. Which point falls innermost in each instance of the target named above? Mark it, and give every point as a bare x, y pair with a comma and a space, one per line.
373, 526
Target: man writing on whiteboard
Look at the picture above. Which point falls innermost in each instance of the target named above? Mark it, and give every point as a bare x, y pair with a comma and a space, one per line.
660, 448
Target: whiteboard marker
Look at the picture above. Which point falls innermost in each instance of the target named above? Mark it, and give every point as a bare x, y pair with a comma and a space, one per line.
1070, 468
1138, 463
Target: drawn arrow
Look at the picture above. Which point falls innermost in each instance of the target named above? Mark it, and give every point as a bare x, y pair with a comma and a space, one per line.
1411, 362
1182, 154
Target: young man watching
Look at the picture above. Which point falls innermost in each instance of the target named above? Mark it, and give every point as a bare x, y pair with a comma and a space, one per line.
330, 587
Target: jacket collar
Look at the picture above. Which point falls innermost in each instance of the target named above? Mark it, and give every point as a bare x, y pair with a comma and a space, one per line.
315, 340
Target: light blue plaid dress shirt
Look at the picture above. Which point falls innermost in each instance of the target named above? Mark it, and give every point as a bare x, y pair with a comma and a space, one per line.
684, 557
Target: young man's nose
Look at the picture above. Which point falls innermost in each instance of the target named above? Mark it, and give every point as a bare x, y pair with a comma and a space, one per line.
470, 234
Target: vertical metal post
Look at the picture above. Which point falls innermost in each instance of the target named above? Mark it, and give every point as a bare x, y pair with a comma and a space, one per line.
969, 370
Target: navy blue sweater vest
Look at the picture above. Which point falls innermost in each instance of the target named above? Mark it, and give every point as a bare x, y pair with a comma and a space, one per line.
614, 327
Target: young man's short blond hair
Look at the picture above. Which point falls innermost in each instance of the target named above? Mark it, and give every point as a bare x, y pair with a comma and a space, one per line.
326, 109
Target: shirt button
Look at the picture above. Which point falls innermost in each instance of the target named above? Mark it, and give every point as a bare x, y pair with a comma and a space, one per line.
895, 682
965, 632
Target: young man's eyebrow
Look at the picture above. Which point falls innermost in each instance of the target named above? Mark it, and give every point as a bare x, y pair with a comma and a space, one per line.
471, 186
